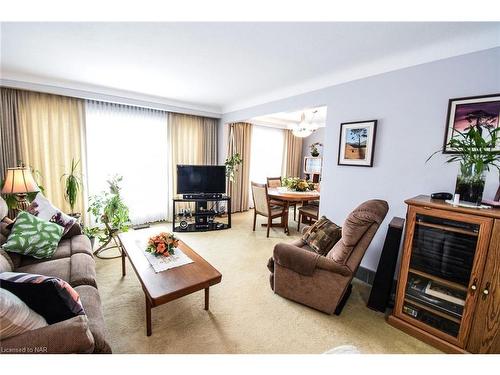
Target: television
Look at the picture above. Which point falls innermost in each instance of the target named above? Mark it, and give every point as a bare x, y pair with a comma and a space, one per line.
201, 179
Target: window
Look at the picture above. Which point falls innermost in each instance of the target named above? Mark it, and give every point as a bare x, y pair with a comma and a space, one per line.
266, 154
131, 142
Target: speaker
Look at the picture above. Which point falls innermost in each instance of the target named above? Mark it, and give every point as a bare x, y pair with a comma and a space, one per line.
384, 277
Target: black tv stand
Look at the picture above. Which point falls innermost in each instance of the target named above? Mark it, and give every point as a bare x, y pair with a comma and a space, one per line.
202, 219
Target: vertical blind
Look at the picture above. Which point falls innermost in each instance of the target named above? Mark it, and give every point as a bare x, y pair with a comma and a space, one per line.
130, 142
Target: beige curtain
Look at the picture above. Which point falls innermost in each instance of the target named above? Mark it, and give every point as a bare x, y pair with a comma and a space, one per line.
10, 137
239, 141
292, 155
193, 140
51, 136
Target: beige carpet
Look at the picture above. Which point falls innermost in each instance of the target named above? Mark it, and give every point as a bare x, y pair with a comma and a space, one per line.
245, 315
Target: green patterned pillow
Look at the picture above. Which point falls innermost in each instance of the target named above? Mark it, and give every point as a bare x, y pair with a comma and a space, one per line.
33, 236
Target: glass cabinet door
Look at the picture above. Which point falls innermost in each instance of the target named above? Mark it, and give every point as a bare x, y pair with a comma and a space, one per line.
440, 282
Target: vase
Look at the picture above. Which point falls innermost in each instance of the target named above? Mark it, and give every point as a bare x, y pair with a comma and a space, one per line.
470, 185
314, 154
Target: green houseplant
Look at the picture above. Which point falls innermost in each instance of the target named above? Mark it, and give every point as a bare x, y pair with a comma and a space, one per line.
314, 149
477, 154
109, 209
72, 186
232, 164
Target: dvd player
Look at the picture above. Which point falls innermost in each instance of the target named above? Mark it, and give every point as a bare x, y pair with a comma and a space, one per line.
203, 196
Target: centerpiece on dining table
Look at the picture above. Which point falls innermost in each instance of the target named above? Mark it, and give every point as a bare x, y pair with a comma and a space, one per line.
297, 184
163, 244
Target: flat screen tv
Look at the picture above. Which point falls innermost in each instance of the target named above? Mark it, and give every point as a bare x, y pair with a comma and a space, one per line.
201, 179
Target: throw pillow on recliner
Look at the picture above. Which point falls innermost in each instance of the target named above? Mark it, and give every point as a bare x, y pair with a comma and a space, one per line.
322, 235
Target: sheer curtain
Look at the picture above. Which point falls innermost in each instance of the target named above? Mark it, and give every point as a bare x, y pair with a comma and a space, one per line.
266, 154
131, 142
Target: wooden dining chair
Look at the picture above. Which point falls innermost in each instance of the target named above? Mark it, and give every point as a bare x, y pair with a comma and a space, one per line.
275, 182
308, 214
264, 206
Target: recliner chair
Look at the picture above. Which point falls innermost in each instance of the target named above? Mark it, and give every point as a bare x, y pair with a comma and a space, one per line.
324, 282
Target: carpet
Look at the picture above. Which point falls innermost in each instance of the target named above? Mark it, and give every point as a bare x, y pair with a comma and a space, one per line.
245, 315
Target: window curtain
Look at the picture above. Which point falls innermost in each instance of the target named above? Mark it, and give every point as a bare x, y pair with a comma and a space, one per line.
192, 140
240, 141
51, 129
292, 155
130, 142
10, 136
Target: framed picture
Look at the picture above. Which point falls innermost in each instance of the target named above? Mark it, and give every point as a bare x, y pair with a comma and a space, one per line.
357, 142
480, 111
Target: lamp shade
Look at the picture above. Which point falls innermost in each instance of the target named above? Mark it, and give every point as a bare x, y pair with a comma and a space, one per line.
19, 181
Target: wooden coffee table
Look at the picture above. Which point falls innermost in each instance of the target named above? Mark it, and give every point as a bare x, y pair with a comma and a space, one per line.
163, 287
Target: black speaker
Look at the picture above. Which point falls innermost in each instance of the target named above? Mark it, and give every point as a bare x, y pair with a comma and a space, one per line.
384, 278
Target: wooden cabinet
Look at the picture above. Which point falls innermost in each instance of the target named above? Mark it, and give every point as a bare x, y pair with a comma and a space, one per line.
448, 291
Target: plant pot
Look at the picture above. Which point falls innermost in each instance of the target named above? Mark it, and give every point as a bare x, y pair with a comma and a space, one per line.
470, 186
314, 154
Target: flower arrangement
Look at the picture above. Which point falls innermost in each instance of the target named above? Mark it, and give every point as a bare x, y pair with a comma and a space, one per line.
297, 184
162, 244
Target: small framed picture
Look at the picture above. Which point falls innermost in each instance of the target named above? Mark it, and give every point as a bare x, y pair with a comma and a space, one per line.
480, 111
357, 142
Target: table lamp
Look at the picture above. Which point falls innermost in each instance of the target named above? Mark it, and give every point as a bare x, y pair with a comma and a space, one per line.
19, 182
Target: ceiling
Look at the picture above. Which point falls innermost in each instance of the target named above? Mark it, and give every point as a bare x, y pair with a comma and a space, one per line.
226, 66
316, 115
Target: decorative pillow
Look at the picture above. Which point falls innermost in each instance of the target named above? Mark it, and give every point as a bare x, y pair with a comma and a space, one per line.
322, 235
16, 317
33, 236
51, 297
43, 209
74, 230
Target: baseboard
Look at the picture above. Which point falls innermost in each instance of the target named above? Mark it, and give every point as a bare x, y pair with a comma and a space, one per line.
365, 275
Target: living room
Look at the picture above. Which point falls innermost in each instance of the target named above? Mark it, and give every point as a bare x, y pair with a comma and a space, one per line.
167, 190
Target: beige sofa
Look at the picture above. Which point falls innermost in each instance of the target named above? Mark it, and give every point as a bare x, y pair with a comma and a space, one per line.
74, 263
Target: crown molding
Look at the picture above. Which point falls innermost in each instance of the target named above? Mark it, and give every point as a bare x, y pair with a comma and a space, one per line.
93, 92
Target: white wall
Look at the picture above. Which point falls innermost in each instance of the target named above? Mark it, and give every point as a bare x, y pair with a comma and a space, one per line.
410, 106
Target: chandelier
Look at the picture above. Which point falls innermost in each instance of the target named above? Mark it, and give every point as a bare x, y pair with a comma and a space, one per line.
304, 128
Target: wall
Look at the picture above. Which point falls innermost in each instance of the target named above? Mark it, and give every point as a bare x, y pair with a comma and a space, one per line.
317, 136
410, 106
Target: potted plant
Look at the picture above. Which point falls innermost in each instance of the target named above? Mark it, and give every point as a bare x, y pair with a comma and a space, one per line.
109, 210
232, 164
73, 185
314, 149
476, 155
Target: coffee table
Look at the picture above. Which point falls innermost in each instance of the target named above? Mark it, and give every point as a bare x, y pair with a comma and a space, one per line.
160, 288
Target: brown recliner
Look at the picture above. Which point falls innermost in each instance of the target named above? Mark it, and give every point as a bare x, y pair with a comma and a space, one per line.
324, 282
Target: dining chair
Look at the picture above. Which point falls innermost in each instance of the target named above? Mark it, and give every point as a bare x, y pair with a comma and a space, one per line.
309, 212
275, 182
264, 206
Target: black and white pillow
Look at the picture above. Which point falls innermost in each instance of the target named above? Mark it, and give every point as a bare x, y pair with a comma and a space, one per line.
43, 209
51, 297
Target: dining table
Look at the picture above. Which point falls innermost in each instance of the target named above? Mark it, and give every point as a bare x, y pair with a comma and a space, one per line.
286, 197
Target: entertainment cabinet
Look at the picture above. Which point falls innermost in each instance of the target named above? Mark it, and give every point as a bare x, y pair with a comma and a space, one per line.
448, 292
202, 218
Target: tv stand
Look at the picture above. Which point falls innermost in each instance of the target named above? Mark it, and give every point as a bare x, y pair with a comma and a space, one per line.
202, 219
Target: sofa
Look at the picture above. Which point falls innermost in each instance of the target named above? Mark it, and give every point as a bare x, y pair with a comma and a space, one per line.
324, 282
74, 263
